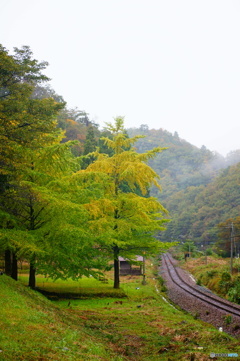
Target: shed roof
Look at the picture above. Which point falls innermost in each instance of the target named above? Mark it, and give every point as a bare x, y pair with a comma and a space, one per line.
137, 258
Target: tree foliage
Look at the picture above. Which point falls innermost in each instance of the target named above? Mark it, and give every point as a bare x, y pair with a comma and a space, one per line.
31, 155
24, 121
229, 237
125, 223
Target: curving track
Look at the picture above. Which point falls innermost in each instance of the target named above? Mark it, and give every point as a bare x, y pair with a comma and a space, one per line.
196, 299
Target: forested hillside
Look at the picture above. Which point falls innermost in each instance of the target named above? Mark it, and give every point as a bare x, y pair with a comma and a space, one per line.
197, 211
200, 188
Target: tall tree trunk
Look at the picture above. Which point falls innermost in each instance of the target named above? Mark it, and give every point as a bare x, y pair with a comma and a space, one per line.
14, 273
8, 262
32, 270
32, 276
116, 268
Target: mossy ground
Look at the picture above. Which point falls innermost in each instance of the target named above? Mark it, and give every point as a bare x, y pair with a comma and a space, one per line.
139, 326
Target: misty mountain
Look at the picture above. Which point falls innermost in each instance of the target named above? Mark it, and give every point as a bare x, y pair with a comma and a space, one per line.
200, 188
181, 165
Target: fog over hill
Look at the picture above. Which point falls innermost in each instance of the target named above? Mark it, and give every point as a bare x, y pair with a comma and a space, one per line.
200, 188
162, 137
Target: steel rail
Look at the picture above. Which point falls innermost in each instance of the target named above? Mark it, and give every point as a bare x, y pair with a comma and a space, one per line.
210, 299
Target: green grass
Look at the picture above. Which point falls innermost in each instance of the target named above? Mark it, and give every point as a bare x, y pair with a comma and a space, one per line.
139, 326
143, 327
84, 287
33, 328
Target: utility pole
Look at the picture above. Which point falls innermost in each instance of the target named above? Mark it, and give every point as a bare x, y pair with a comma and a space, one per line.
144, 270
204, 248
232, 237
205, 242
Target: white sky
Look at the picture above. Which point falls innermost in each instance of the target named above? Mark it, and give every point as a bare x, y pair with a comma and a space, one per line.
171, 64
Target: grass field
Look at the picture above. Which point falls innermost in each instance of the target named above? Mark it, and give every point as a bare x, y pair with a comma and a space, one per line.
139, 326
84, 287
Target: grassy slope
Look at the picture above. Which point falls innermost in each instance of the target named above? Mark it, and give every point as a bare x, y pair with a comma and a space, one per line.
209, 274
141, 326
32, 328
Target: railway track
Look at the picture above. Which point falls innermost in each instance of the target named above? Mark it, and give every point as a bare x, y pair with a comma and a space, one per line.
195, 291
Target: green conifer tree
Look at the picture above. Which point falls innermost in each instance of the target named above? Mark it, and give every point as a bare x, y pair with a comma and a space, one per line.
125, 223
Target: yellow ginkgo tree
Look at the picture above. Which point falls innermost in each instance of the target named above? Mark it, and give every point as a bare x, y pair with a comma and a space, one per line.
125, 222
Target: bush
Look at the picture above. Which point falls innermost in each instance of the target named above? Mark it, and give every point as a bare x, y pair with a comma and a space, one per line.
225, 282
213, 284
226, 277
227, 319
209, 252
199, 282
162, 284
234, 293
211, 273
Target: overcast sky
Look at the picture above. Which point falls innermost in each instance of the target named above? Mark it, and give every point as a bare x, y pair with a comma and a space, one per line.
171, 64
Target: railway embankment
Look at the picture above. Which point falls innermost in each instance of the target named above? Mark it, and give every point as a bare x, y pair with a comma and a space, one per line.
198, 300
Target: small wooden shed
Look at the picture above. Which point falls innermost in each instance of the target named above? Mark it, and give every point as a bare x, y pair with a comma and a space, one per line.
127, 268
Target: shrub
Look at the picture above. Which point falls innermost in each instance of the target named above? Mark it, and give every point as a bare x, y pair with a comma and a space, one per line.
199, 282
162, 284
213, 284
209, 252
226, 277
227, 319
226, 282
211, 273
234, 293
